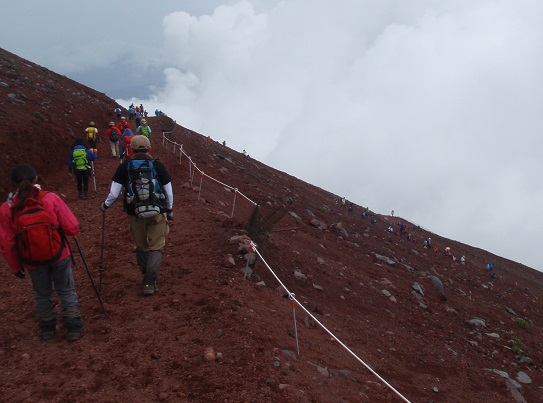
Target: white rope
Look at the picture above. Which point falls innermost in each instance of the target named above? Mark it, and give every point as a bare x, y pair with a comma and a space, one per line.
193, 165
292, 297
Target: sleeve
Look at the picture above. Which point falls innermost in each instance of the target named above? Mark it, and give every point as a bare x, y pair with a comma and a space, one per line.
8, 244
138, 130
66, 219
71, 162
150, 131
166, 183
120, 177
90, 155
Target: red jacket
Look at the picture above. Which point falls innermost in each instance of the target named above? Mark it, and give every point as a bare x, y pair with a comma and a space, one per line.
113, 128
123, 124
61, 215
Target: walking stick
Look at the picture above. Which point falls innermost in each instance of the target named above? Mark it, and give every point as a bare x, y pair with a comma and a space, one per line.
102, 249
93, 175
90, 276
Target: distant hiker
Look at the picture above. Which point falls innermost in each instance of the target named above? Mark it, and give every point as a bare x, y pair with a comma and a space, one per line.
149, 209
131, 112
224, 143
490, 266
343, 200
41, 249
463, 259
138, 118
114, 135
79, 162
118, 112
144, 129
390, 229
92, 137
351, 207
363, 215
436, 249
367, 211
409, 237
392, 213
373, 220
126, 139
448, 251
145, 114
157, 112
123, 124
244, 153
141, 109
426, 243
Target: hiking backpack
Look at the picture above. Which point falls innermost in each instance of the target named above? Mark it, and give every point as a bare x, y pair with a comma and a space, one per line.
114, 135
80, 161
145, 130
144, 191
39, 242
91, 133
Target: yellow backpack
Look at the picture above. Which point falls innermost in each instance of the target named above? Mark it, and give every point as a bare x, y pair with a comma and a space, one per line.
91, 133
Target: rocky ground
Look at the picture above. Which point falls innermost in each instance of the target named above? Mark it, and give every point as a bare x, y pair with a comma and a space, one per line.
221, 327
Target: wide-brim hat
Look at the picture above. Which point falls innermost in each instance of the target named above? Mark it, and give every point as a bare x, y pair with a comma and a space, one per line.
140, 143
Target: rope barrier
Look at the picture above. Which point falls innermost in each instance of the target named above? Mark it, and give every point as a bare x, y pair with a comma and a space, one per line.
193, 168
291, 296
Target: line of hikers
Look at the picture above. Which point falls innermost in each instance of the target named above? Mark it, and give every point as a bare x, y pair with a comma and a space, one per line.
34, 225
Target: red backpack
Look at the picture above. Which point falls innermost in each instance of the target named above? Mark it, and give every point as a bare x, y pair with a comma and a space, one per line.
39, 242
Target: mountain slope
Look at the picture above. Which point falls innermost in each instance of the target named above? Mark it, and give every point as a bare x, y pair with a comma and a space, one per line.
356, 278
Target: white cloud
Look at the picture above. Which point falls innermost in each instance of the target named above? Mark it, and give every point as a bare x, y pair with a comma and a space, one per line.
429, 108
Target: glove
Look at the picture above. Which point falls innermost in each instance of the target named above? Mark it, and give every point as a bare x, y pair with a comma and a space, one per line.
20, 274
169, 215
103, 207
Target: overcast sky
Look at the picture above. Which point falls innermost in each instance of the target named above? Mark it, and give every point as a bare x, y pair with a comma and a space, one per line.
432, 109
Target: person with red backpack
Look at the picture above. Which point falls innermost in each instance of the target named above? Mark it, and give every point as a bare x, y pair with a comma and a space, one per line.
126, 139
33, 228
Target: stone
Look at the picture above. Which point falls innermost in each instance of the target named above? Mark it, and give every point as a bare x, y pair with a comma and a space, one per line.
299, 277
418, 288
477, 322
522, 377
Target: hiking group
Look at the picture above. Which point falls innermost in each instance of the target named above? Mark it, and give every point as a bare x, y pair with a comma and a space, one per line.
34, 223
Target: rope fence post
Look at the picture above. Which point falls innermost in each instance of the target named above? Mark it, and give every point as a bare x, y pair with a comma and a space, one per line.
292, 297
201, 180
234, 202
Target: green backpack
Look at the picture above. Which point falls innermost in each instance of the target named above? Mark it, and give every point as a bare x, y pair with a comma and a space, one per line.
145, 130
80, 159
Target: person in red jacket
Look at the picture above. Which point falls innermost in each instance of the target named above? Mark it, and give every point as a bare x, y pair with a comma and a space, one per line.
123, 124
114, 135
45, 276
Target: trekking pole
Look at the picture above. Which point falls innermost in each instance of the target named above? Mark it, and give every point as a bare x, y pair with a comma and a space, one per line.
90, 276
93, 175
102, 249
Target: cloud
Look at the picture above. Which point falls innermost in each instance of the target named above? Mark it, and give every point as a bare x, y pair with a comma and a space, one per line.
430, 109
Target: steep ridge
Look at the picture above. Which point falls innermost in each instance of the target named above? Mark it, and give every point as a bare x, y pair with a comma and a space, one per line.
359, 283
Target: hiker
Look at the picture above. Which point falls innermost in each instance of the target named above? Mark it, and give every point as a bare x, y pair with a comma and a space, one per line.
363, 215
92, 137
392, 213
144, 128
463, 259
114, 135
138, 117
490, 266
343, 200
118, 112
351, 207
373, 220
126, 139
79, 163
157, 112
123, 124
148, 217
41, 249
131, 112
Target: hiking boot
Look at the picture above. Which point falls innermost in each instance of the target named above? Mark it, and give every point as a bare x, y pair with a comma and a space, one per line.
148, 289
73, 335
81, 196
47, 335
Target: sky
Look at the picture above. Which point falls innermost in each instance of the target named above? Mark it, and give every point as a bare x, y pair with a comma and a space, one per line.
428, 108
